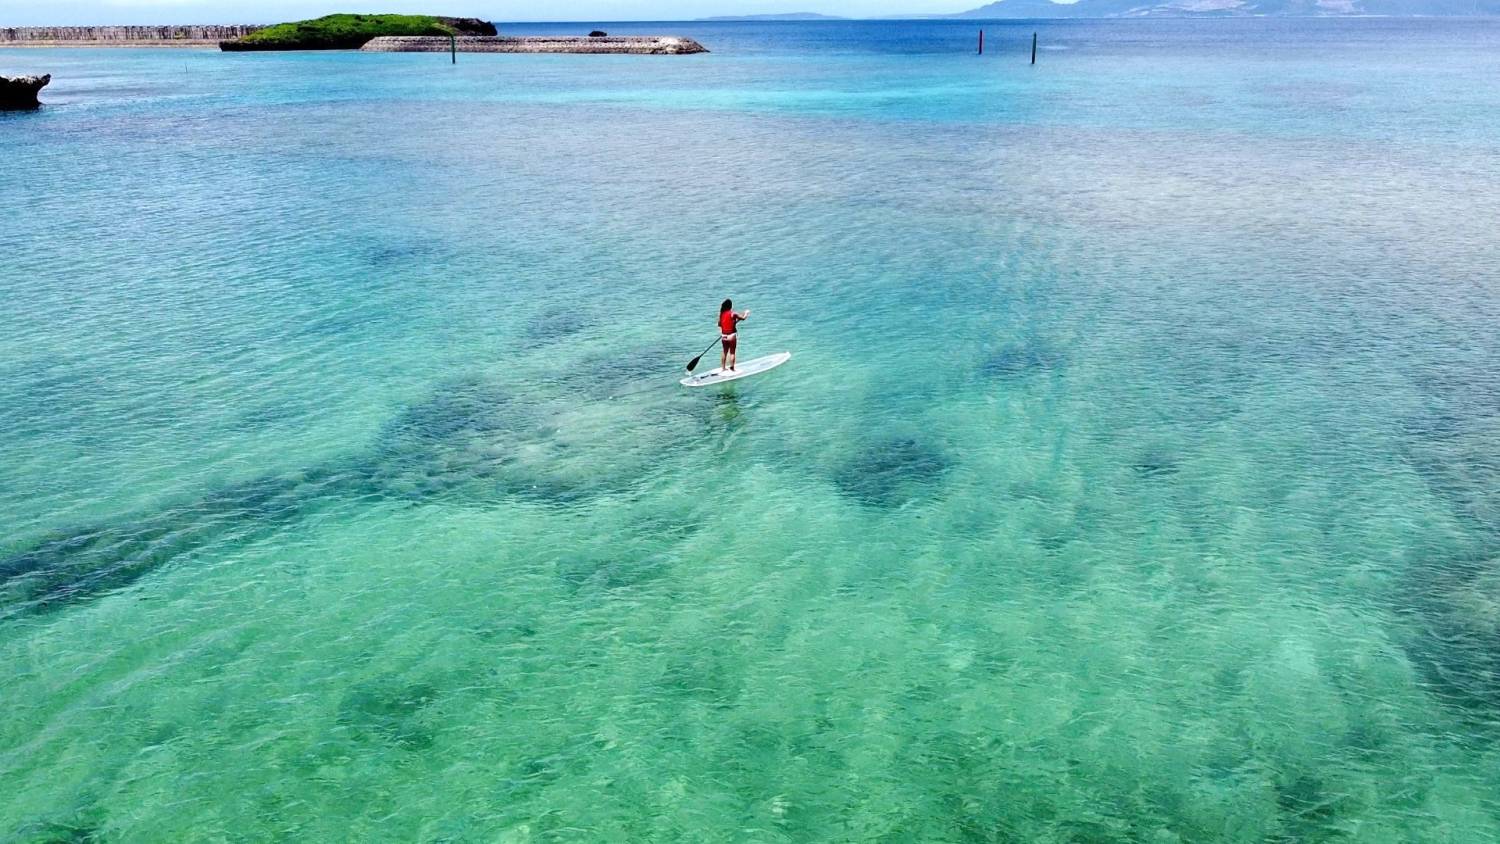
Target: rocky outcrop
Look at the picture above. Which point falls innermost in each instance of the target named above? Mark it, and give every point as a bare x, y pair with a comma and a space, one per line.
470, 26
120, 36
643, 45
19, 92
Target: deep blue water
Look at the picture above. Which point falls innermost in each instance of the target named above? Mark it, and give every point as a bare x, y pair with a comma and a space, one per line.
1134, 477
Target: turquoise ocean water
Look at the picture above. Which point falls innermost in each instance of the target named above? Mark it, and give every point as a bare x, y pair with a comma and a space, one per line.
1136, 476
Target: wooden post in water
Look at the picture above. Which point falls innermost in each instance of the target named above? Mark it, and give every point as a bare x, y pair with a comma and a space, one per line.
981, 42
1033, 48
453, 48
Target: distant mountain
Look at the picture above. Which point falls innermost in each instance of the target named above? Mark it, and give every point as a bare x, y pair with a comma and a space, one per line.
784, 16
1230, 8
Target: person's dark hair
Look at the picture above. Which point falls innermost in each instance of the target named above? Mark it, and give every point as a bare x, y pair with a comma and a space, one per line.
726, 306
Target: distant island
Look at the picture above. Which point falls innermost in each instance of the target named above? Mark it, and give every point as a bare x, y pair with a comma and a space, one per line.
1044, 9
1013, 9
350, 32
782, 16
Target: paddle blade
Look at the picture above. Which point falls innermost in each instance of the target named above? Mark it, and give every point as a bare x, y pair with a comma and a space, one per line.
694, 362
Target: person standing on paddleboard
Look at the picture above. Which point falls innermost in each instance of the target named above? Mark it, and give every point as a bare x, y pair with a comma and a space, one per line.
729, 333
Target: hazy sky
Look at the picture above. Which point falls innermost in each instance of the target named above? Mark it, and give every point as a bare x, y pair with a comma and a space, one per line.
75, 12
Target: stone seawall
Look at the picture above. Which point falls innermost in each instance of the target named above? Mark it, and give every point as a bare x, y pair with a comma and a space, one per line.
645, 45
121, 36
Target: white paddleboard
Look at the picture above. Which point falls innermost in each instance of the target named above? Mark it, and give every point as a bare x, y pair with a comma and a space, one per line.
742, 369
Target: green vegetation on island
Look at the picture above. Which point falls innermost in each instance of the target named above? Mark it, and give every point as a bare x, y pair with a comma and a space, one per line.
350, 32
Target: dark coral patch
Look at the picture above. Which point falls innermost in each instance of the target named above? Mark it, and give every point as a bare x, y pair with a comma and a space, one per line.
632, 369
464, 410
74, 565
1155, 464
619, 571
1456, 643
1466, 473
389, 711
1454, 443
891, 472
270, 416
1015, 361
1309, 808
472, 443
1433, 427
392, 253
350, 321
461, 440
83, 824
469, 443
62, 833
557, 325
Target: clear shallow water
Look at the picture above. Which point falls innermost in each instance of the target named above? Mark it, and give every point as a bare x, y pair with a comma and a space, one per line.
1135, 478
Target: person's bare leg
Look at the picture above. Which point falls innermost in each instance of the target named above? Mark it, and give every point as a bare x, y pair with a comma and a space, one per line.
734, 350
723, 356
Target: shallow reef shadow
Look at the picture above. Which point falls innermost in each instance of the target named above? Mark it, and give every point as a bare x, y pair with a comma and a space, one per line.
556, 325
398, 251
471, 442
638, 367
609, 572
1455, 640
60, 832
70, 566
1156, 463
390, 711
1015, 361
891, 471
270, 416
1452, 598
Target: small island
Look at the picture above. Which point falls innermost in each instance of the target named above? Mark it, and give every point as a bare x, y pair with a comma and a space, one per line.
351, 32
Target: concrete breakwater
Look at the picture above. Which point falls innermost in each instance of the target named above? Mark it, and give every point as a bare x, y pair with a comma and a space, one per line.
653, 45
121, 36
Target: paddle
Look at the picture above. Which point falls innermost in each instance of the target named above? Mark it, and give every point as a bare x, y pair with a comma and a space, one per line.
693, 364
